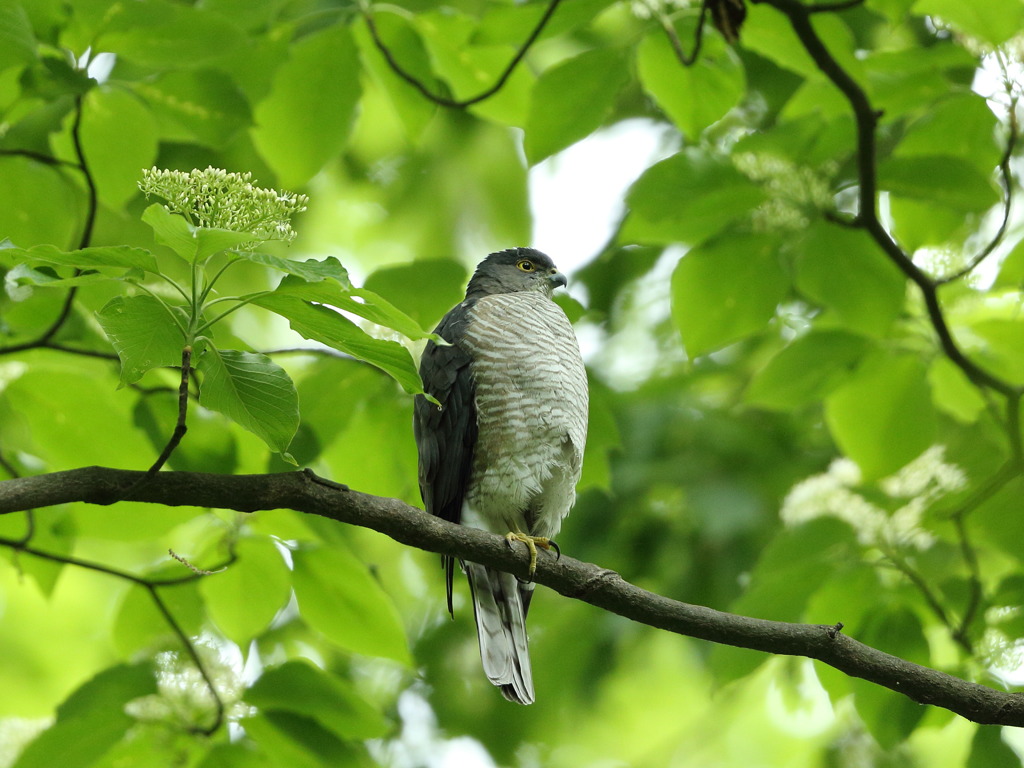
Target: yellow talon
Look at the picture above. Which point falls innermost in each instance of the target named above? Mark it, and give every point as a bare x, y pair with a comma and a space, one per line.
531, 542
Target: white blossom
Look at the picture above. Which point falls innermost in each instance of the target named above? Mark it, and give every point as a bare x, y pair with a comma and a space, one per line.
217, 199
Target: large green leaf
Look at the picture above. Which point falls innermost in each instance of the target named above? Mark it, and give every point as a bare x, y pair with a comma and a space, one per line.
36, 204
994, 21
340, 598
143, 334
326, 326
17, 42
403, 285
358, 301
120, 256
119, 138
805, 371
163, 34
194, 244
938, 179
882, 418
572, 99
246, 597
253, 391
91, 720
869, 297
697, 96
688, 198
306, 118
289, 739
300, 688
725, 290
205, 104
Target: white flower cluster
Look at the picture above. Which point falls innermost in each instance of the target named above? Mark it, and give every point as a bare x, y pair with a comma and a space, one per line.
217, 199
921, 483
793, 189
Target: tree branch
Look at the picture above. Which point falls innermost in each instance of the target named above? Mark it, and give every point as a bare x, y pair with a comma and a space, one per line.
444, 101
304, 492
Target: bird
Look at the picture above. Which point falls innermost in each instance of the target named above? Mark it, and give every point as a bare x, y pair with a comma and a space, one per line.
501, 449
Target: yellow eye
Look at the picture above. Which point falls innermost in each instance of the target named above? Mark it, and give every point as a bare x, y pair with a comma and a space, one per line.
526, 265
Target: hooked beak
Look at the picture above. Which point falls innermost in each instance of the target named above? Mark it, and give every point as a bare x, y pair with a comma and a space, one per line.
557, 280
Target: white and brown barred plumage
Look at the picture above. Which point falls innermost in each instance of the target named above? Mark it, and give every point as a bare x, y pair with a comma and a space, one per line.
505, 450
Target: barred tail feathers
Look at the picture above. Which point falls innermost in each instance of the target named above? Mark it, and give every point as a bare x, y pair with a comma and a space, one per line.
500, 612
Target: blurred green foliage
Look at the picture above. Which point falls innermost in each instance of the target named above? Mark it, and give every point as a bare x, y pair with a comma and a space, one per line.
764, 378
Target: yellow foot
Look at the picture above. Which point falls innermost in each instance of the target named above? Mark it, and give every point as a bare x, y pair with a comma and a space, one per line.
531, 542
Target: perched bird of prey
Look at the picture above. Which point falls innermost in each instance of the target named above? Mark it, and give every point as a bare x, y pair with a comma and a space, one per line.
504, 450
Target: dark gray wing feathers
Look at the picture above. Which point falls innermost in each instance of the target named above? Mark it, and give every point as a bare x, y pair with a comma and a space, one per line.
446, 436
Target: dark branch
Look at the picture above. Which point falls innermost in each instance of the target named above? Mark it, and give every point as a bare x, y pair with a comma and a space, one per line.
1006, 176
575, 579
444, 101
677, 45
866, 118
180, 428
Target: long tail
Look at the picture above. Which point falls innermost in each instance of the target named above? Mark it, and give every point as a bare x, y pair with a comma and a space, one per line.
500, 604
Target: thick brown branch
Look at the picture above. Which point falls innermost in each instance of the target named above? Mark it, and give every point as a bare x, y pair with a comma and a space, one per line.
579, 580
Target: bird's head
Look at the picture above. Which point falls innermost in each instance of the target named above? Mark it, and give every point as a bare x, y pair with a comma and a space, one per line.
515, 270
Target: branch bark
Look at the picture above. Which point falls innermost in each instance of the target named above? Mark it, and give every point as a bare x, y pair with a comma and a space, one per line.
605, 589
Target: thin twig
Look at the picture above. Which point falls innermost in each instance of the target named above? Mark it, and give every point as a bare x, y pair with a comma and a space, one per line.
40, 157
92, 203
976, 595
444, 100
673, 36
866, 118
180, 428
190, 648
1006, 177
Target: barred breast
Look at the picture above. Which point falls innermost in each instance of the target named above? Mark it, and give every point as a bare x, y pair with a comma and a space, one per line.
531, 401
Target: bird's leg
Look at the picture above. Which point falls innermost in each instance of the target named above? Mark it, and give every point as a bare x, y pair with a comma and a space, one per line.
531, 542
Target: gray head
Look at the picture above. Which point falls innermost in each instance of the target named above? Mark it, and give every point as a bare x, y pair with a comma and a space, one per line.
515, 270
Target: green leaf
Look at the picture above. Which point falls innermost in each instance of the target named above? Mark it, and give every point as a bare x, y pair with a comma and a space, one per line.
883, 417
358, 301
804, 372
339, 598
246, 597
869, 297
338, 332
35, 203
960, 126
403, 285
725, 290
143, 334
194, 244
119, 139
121, 256
18, 280
940, 180
17, 42
571, 100
688, 198
953, 392
994, 21
163, 34
91, 720
310, 270
697, 96
307, 117
299, 742
205, 104
889, 716
253, 391
300, 688
988, 750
